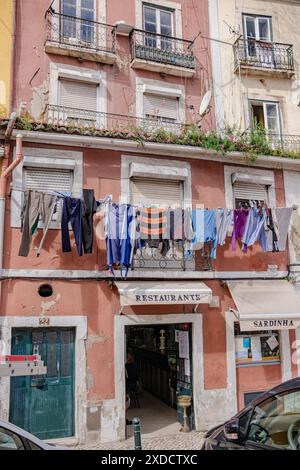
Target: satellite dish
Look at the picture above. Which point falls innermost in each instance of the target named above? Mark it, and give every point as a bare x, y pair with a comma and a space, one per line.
205, 103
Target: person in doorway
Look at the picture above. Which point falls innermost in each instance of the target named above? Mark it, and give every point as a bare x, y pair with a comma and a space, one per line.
132, 376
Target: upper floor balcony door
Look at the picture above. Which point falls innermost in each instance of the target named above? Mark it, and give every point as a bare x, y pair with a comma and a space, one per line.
83, 31
258, 35
159, 23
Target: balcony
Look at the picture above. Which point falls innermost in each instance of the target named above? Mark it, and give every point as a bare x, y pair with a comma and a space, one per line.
151, 259
263, 58
284, 142
80, 118
76, 37
163, 54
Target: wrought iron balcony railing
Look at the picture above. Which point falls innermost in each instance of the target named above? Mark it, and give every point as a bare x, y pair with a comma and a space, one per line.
175, 259
162, 49
65, 30
274, 140
263, 54
81, 118
283, 142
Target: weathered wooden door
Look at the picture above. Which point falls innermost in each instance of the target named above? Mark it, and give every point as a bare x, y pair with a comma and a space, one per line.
44, 405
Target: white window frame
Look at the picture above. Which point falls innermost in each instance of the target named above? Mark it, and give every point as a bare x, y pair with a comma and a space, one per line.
253, 174
157, 87
100, 9
176, 7
82, 75
256, 19
100, 16
158, 10
42, 158
264, 104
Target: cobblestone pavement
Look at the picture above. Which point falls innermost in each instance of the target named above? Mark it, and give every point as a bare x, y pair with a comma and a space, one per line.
180, 441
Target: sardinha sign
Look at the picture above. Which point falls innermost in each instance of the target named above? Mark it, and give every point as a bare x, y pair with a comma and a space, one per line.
272, 324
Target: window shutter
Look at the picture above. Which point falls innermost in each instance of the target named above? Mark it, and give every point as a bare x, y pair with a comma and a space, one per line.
161, 106
76, 94
48, 179
156, 192
250, 191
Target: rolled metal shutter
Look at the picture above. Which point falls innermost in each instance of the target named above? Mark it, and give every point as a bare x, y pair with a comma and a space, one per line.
161, 106
156, 192
76, 94
48, 179
250, 191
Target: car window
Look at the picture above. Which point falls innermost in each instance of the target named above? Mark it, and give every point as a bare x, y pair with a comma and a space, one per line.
243, 422
33, 446
9, 440
276, 422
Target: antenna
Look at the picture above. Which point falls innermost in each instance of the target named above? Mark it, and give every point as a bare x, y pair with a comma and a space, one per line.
205, 103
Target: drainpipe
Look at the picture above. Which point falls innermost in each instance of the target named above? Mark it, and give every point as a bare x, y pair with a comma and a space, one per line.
6, 171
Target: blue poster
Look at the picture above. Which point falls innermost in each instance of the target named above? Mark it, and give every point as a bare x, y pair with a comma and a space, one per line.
246, 342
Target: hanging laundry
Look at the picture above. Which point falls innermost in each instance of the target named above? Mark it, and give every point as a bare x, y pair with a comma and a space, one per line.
255, 228
89, 208
205, 229
36, 206
272, 229
152, 223
163, 246
224, 222
72, 212
282, 219
120, 230
240, 217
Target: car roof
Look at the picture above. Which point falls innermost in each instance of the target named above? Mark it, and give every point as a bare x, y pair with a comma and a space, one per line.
283, 387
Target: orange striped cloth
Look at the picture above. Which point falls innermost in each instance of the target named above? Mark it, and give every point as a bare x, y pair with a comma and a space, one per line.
152, 223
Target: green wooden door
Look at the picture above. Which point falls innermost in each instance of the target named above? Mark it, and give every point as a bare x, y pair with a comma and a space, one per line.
44, 405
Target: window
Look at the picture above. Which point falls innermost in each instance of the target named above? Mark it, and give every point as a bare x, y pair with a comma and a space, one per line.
157, 22
258, 36
78, 22
258, 27
246, 192
251, 396
33, 446
77, 96
163, 110
162, 184
81, 99
10, 441
266, 115
276, 422
256, 347
46, 170
156, 192
48, 179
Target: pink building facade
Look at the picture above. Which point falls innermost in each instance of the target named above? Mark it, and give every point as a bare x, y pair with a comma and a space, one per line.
137, 66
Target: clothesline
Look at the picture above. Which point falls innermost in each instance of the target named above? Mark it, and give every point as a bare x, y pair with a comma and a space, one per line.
129, 228
108, 199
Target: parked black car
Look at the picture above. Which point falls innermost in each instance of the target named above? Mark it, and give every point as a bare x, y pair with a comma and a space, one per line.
271, 421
